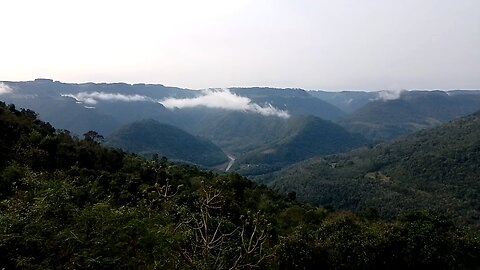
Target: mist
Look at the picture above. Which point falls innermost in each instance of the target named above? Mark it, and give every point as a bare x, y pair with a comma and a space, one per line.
5, 89
94, 97
223, 99
386, 95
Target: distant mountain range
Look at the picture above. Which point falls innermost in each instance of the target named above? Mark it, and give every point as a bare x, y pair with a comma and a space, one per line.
411, 111
239, 120
347, 101
264, 129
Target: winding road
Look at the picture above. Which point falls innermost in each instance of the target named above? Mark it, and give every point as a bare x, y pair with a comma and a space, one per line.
230, 163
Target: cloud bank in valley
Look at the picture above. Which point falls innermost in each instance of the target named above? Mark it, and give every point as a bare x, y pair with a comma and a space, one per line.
5, 89
223, 99
94, 97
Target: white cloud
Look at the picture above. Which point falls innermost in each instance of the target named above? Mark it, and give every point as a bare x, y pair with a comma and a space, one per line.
93, 97
5, 89
212, 98
389, 94
223, 99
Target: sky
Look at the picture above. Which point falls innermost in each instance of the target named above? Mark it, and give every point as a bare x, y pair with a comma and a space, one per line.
309, 44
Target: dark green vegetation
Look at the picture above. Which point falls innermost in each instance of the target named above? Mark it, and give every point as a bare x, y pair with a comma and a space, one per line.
70, 203
412, 111
150, 137
239, 132
299, 138
264, 144
433, 169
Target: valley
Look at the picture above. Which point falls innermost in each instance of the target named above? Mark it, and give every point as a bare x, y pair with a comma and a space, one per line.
276, 162
285, 138
67, 201
240, 135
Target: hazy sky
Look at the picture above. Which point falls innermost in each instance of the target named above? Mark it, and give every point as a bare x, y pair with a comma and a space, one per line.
334, 44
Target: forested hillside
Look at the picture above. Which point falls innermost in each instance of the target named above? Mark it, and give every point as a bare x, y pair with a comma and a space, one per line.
150, 137
432, 169
300, 138
70, 203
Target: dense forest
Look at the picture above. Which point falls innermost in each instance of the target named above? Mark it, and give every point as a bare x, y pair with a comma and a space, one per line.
70, 203
149, 137
304, 137
434, 169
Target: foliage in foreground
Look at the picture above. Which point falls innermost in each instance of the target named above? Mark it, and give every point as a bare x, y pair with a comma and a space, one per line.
69, 203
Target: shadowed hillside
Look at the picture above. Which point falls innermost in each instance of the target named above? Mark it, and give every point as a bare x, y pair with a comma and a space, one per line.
150, 137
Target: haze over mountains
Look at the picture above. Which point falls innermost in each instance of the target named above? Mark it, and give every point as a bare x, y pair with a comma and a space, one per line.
264, 129
239, 120
411, 111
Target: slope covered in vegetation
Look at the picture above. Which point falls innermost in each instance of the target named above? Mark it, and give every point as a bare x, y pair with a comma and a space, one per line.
71, 204
299, 139
150, 137
432, 169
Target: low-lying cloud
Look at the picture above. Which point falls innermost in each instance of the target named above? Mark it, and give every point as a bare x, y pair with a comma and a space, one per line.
5, 89
93, 98
212, 98
223, 99
389, 94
